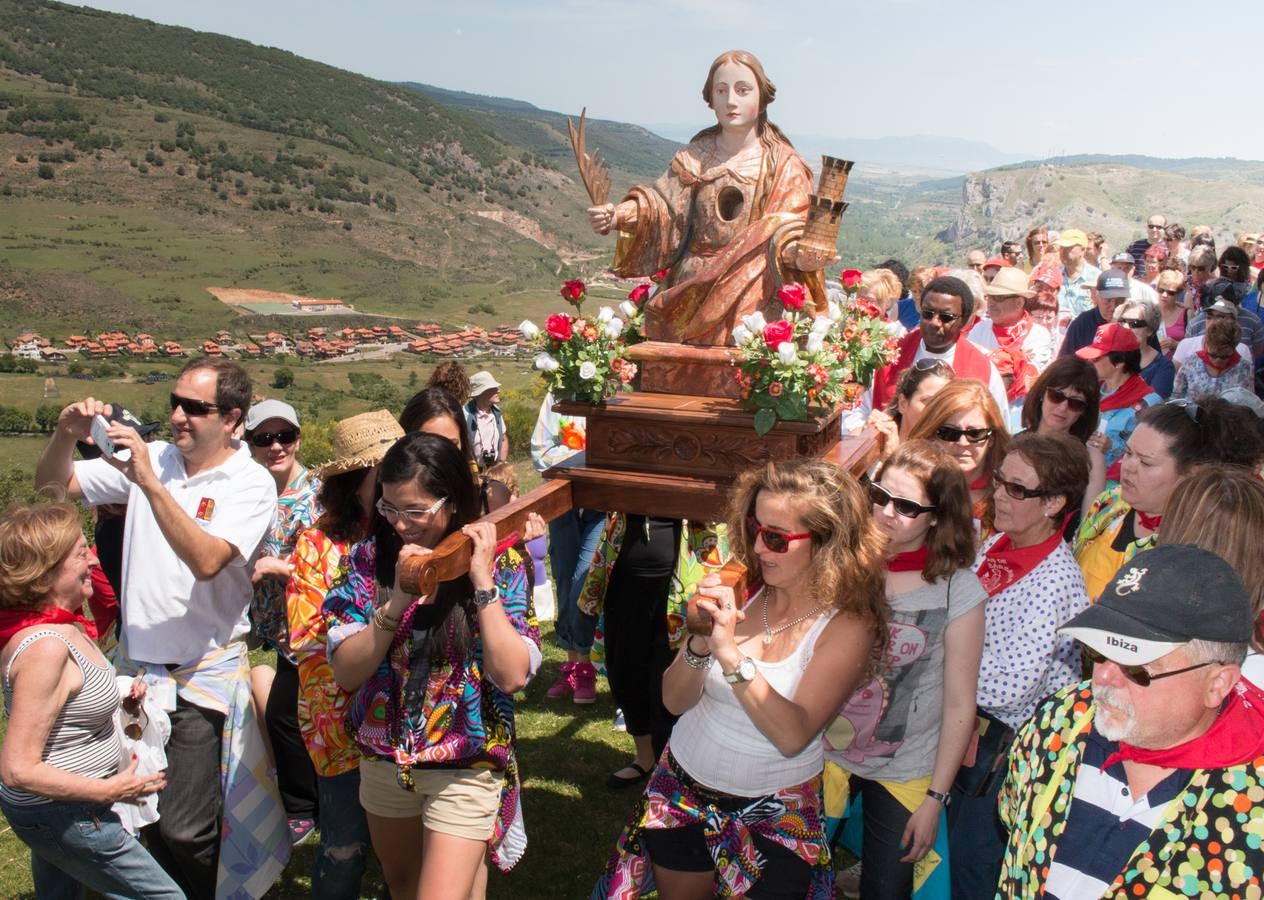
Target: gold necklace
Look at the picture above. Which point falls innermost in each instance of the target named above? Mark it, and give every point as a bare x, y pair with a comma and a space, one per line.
769, 632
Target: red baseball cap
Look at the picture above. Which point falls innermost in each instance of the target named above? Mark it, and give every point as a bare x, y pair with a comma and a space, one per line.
1049, 275
1110, 338
999, 262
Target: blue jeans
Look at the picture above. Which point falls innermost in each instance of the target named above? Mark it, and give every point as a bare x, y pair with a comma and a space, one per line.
76, 845
573, 540
344, 838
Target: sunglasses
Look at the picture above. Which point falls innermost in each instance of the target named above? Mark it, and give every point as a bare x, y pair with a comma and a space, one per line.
1138, 674
1232, 267
1154, 227
776, 540
1016, 490
1134, 323
192, 407
950, 434
413, 514
880, 497
946, 318
286, 438
1199, 269
1168, 293
1073, 404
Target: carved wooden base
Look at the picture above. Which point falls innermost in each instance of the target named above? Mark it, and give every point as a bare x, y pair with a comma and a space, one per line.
686, 369
676, 455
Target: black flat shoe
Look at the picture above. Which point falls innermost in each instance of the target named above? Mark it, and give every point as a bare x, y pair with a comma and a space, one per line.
617, 782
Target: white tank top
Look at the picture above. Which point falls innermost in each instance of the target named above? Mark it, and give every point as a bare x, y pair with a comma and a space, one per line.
721, 748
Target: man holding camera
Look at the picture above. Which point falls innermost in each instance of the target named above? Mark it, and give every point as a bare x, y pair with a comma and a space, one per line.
485, 421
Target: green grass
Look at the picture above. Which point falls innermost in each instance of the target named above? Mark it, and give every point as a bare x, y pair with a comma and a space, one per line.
566, 752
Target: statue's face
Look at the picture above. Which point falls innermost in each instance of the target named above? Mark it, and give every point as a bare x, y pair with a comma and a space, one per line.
735, 96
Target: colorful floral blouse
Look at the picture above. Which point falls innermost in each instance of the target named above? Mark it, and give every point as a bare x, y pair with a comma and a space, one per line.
1096, 540
319, 561
297, 509
462, 719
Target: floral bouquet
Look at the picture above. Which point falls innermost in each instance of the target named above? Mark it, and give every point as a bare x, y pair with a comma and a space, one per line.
803, 360
581, 357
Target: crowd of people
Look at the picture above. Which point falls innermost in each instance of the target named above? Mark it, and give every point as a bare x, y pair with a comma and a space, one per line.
1017, 657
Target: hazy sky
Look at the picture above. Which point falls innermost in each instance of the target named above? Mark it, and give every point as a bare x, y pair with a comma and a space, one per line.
1160, 77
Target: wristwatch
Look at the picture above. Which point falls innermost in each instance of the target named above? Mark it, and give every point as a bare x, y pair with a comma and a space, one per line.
944, 799
484, 599
745, 671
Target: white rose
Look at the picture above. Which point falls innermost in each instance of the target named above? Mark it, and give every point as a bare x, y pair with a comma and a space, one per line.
528, 329
614, 328
815, 342
835, 311
787, 352
605, 314
628, 308
741, 334
587, 370
545, 363
755, 321
821, 325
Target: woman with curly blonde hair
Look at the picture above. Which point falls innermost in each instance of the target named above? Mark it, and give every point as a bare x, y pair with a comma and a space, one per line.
755, 693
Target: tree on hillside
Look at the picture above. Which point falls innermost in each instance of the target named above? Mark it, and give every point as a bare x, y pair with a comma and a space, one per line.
282, 378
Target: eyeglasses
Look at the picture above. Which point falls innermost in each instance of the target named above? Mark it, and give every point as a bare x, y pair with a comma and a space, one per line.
1191, 407
946, 318
1138, 675
1016, 490
1039, 243
192, 407
1168, 293
286, 438
413, 514
880, 497
1230, 266
950, 434
1073, 404
776, 540
1134, 323
1003, 298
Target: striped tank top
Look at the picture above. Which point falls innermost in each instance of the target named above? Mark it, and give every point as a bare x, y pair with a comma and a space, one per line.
83, 739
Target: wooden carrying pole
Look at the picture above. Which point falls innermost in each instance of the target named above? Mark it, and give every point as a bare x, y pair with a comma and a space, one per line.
420, 575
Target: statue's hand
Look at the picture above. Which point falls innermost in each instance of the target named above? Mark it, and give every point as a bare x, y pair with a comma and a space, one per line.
601, 218
806, 259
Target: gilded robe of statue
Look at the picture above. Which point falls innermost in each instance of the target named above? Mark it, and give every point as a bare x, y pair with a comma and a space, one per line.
720, 227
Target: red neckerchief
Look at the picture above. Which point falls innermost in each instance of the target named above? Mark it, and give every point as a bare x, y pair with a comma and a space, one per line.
1012, 361
1148, 521
909, 560
1013, 335
981, 482
1003, 565
1216, 368
14, 620
1131, 392
1236, 737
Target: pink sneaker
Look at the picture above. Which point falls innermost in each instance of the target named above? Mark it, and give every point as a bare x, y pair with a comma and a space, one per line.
585, 683
565, 683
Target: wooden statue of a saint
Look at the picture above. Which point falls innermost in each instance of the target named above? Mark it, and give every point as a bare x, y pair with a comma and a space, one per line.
724, 219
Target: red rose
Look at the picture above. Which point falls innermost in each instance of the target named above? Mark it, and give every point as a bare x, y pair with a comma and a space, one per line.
660, 275
777, 332
850, 278
573, 291
774, 389
639, 294
559, 328
792, 296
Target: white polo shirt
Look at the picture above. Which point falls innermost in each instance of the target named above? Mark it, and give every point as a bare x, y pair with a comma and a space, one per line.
168, 615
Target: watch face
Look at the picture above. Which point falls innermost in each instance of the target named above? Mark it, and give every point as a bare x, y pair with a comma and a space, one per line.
747, 669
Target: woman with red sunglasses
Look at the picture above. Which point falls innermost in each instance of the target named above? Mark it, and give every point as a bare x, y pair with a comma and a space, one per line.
755, 694
899, 740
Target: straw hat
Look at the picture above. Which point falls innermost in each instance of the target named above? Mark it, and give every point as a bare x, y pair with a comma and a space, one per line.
360, 442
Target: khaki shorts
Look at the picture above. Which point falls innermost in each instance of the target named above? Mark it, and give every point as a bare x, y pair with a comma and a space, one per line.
459, 802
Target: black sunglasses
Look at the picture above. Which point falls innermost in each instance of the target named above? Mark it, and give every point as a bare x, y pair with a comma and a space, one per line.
1168, 293
1138, 675
946, 318
1134, 323
909, 509
192, 407
1074, 404
951, 434
1016, 490
286, 438
775, 539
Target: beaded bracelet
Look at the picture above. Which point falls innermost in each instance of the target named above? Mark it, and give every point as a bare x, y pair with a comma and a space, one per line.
697, 660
